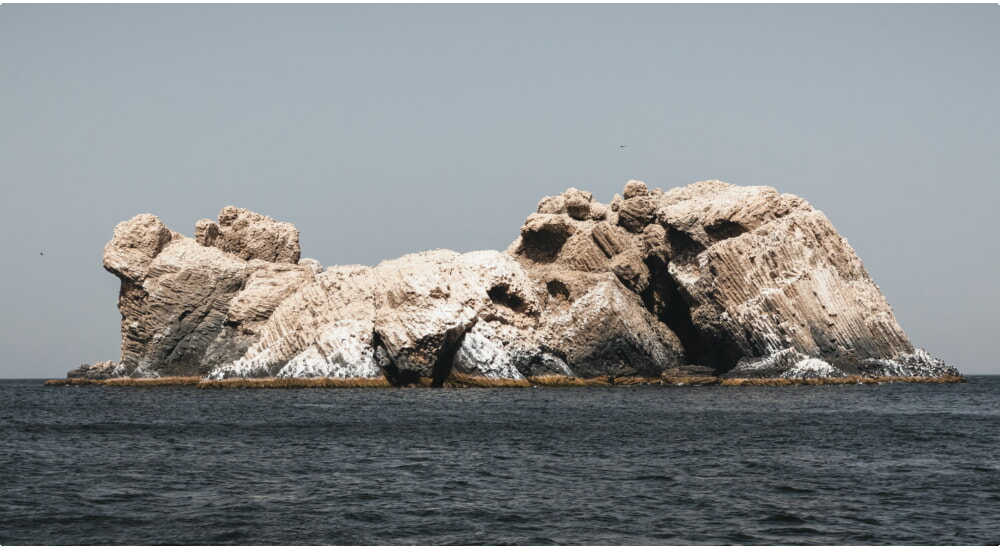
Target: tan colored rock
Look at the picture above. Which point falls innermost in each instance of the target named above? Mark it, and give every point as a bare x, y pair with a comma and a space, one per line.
426, 302
599, 211
711, 211
543, 235
634, 188
655, 243
578, 203
206, 232
185, 297
253, 236
637, 212
773, 288
405, 318
187, 305
266, 286
616, 203
325, 328
795, 284
591, 281
610, 239
134, 245
602, 328
709, 279
552, 205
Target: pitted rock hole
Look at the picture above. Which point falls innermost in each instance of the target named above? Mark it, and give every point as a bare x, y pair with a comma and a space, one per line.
557, 289
502, 296
542, 244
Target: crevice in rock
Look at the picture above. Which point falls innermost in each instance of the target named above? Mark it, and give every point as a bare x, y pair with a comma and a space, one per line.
664, 299
386, 364
724, 229
683, 245
453, 339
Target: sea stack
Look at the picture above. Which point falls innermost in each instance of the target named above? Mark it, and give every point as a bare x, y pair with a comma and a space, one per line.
711, 279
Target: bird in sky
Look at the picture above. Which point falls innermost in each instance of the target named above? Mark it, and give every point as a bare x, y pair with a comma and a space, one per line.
621, 146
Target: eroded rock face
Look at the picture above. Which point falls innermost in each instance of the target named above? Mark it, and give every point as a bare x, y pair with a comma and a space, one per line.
249, 235
189, 305
709, 278
773, 289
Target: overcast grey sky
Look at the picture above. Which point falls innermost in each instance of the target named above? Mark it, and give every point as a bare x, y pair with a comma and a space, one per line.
380, 130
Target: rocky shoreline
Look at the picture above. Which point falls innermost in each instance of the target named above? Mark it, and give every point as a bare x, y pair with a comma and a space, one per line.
708, 281
468, 382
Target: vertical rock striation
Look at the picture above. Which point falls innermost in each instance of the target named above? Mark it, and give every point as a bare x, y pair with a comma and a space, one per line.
188, 305
773, 289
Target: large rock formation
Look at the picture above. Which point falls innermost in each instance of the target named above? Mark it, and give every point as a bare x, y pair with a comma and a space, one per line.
189, 305
710, 278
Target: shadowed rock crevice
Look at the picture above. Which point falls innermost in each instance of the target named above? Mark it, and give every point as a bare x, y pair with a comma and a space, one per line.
684, 246
446, 358
385, 362
676, 314
664, 299
724, 229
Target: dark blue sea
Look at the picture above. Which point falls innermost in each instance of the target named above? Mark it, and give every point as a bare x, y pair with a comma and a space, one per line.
885, 464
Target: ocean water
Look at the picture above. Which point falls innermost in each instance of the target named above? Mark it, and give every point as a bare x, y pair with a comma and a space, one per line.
886, 464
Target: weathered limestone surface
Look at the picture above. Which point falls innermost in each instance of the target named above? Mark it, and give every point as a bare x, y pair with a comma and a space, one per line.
187, 306
710, 279
773, 287
250, 235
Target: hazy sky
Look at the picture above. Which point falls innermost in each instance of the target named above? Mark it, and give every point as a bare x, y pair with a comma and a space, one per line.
380, 130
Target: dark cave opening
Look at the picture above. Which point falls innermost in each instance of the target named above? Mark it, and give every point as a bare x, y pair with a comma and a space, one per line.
678, 318
664, 298
453, 339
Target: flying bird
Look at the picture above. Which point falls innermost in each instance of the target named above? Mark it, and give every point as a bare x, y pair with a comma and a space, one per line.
621, 146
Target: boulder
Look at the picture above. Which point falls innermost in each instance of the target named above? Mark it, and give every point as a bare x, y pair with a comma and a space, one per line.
253, 236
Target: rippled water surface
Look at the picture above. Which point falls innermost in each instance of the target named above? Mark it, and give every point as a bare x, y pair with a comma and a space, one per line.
888, 464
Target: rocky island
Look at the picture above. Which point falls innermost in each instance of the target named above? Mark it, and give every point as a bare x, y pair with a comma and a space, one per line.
709, 283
